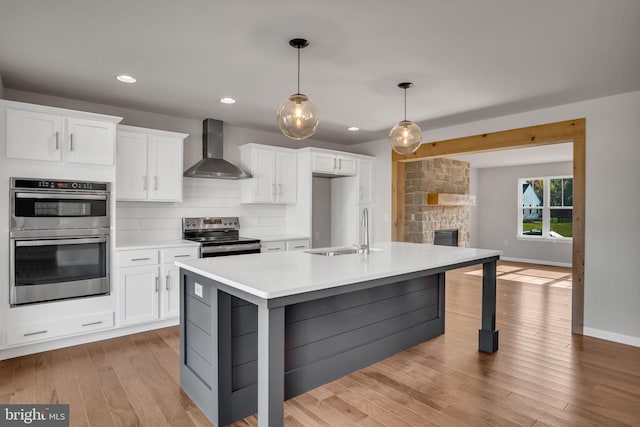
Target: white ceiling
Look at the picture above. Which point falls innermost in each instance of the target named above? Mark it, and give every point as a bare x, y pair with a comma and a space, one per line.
519, 156
468, 59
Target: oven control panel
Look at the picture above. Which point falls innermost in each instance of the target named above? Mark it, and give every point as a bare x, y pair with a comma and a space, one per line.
46, 184
211, 223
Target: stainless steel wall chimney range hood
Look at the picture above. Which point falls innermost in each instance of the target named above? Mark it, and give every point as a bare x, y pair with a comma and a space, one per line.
212, 164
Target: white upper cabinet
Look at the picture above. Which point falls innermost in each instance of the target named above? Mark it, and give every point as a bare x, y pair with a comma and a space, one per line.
35, 132
34, 136
274, 174
332, 163
148, 164
90, 141
165, 165
131, 166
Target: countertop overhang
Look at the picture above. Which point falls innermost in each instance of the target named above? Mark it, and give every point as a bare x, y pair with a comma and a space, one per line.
276, 275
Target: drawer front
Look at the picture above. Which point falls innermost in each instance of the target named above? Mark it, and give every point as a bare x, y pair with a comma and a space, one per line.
273, 247
137, 258
170, 255
298, 245
55, 328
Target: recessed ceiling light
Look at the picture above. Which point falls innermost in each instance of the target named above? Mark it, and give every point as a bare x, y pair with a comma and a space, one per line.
227, 100
125, 78
353, 128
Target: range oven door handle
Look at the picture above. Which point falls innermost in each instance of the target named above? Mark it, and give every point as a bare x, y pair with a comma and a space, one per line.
20, 243
61, 195
230, 248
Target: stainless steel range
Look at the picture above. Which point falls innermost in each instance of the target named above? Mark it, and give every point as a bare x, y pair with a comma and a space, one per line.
218, 236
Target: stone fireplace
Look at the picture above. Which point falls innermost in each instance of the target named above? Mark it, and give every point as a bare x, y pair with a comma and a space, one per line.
435, 176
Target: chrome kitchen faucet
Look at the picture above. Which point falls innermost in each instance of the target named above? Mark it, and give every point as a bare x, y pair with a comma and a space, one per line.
364, 232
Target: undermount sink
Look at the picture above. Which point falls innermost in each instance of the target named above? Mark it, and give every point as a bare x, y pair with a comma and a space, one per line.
338, 251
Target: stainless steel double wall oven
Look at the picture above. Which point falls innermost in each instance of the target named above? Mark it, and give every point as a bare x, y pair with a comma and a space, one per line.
59, 240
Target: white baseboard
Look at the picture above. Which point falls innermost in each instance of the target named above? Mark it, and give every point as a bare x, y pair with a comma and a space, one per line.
611, 336
537, 261
22, 350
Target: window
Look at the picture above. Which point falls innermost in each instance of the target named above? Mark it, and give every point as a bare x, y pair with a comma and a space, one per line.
545, 207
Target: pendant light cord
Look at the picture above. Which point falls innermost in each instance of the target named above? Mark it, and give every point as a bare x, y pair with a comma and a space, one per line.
405, 104
299, 71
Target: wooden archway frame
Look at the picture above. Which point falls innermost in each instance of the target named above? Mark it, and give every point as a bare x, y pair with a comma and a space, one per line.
546, 134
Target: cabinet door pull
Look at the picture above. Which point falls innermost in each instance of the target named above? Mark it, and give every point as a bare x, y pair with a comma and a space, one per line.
155, 183
140, 259
340, 164
182, 256
57, 140
168, 286
299, 247
157, 284
70, 142
28, 334
334, 162
273, 249
273, 189
92, 323
279, 188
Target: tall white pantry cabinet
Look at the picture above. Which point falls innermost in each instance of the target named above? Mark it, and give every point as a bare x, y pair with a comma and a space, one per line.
46, 142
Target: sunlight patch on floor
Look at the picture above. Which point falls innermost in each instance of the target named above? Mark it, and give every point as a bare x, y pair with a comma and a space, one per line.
556, 279
566, 284
523, 278
544, 273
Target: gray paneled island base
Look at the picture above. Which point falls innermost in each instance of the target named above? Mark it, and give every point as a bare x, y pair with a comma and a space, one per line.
258, 329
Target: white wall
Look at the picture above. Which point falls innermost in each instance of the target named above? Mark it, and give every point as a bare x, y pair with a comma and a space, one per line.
496, 207
612, 240
473, 215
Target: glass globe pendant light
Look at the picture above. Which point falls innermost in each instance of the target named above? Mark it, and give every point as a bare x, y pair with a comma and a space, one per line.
298, 116
406, 136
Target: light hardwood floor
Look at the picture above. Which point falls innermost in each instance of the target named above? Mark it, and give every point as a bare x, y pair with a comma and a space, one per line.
542, 375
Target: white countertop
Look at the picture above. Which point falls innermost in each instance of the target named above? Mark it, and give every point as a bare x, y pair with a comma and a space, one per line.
273, 275
153, 244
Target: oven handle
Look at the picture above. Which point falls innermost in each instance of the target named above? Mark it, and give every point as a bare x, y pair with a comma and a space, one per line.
58, 195
230, 248
61, 241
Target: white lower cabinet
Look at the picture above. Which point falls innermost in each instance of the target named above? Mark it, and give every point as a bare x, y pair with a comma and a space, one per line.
149, 283
298, 245
139, 294
285, 245
39, 331
273, 247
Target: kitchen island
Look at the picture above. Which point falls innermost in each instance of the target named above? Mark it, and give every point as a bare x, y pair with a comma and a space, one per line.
261, 328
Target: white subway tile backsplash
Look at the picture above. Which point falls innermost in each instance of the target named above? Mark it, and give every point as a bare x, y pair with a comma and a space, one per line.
201, 197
